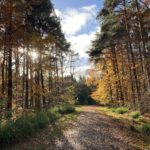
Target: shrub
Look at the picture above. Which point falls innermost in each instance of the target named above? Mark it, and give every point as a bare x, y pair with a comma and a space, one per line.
66, 109
53, 114
12, 131
113, 109
7, 133
146, 129
121, 110
42, 120
135, 114
23, 127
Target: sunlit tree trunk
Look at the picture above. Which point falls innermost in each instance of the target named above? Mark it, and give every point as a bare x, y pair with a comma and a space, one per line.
27, 79
3, 72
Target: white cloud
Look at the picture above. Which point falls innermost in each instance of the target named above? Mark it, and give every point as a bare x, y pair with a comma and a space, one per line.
80, 28
58, 13
73, 20
82, 70
81, 43
89, 8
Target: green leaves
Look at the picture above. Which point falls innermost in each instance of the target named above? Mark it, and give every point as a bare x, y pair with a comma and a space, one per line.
111, 29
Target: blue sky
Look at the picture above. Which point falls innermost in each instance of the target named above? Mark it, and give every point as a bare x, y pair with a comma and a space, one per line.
63, 4
78, 19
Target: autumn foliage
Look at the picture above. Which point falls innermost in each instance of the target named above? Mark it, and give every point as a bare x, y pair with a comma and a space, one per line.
120, 52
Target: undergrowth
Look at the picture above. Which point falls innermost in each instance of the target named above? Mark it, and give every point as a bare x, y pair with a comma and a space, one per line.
15, 130
146, 129
135, 114
121, 110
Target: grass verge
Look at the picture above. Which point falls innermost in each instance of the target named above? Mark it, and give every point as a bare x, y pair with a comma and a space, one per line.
130, 120
47, 137
15, 130
135, 124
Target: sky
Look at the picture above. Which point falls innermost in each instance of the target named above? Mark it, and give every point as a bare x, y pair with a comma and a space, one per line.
78, 20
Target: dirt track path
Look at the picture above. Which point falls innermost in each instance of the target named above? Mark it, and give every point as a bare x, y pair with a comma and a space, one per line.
94, 131
91, 130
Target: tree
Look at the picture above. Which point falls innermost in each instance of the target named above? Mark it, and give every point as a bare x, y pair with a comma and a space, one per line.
33, 49
121, 49
84, 91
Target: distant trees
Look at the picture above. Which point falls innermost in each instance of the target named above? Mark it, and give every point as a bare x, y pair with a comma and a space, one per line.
122, 51
83, 92
33, 49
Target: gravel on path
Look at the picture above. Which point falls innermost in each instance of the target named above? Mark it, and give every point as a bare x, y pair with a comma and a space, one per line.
91, 130
94, 131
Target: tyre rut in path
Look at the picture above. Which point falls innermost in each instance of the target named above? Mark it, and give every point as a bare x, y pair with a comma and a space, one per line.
94, 131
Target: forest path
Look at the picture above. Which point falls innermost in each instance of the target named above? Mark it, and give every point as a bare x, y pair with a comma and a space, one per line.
89, 130
94, 131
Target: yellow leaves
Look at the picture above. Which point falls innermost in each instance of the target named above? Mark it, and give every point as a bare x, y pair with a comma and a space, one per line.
90, 81
100, 95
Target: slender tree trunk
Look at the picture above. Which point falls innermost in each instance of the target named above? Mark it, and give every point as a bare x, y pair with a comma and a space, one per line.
118, 76
43, 88
9, 32
38, 100
27, 80
123, 72
50, 73
16, 75
130, 74
9, 103
115, 74
3, 72
31, 86
23, 79
62, 73
109, 84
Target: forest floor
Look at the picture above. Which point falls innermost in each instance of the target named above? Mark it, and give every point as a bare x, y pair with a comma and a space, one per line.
88, 130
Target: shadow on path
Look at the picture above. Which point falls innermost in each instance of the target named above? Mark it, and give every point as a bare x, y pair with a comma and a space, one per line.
93, 131
90, 131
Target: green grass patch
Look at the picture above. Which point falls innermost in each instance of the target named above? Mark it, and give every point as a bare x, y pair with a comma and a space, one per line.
66, 109
15, 130
53, 114
135, 114
146, 129
25, 126
121, 110
113, 109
